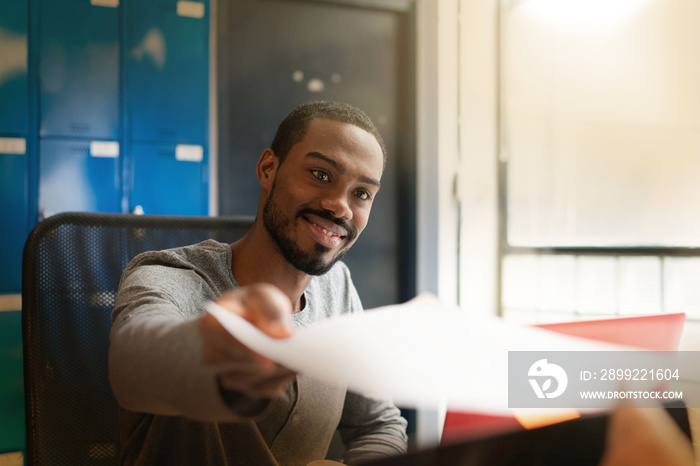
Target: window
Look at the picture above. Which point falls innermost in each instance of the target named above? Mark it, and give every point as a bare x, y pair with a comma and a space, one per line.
600, 141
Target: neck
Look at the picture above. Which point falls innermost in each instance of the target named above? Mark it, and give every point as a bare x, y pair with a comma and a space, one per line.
257, 259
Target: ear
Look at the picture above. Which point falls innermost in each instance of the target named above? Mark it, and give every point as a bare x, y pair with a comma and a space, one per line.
266, 169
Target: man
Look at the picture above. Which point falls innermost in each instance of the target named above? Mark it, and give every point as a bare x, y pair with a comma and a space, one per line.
189, 392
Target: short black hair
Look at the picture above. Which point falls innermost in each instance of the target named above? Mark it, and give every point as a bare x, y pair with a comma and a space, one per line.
295, 126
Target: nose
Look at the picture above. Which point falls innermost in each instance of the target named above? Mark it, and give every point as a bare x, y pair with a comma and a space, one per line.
337, 204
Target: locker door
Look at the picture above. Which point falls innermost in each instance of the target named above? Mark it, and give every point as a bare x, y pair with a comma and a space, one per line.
11, 393
169, 179
79, 68
14, 90
14, 128
167, 70
77, 175
14, 207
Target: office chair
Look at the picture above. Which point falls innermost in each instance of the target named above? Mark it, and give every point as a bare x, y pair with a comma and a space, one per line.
71, 268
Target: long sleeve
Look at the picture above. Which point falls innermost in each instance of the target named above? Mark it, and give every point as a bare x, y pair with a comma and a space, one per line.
155, 359
371, 429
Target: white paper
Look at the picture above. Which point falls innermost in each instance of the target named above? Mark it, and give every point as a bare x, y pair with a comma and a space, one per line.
420, 353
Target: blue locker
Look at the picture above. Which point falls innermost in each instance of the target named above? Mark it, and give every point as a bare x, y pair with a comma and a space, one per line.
11, 383
78, 69
14, 87
167, 70
73, 178
14, 213
164, 185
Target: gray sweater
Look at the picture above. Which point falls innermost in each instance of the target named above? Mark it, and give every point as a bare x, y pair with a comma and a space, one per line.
171, 408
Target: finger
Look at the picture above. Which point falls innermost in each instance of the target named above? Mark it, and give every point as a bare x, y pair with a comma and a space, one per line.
218, 342
266, 307
220, 346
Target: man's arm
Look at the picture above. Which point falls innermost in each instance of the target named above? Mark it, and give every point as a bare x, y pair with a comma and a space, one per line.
161, 359
371, 429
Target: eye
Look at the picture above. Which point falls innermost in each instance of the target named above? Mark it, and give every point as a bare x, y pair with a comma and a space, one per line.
363, 195
320, 175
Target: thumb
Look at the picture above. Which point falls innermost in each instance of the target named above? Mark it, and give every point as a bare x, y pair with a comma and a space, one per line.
270, 310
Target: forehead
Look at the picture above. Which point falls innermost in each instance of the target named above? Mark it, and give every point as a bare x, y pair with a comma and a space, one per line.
346, 143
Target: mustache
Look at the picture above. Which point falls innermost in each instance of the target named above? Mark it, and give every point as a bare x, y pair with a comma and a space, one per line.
352, 233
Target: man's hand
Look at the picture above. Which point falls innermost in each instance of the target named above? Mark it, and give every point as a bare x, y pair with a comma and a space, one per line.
641, 437
239, 368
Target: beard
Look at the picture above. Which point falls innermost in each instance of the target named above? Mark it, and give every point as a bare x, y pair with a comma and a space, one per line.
280, 228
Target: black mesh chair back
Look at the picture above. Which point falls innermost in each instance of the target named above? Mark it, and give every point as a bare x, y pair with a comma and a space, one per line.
71, 269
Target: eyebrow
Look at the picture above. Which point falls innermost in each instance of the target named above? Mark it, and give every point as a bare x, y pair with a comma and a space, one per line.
341, 168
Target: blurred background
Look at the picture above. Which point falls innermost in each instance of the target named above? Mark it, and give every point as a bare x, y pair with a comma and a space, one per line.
544, 155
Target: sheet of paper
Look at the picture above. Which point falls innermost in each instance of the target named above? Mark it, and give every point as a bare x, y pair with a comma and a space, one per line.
420, 353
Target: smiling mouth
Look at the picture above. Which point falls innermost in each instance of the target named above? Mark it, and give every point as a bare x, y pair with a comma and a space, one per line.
329, 238
325, 231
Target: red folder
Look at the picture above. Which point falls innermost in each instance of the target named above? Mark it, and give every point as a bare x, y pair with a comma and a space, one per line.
660, 332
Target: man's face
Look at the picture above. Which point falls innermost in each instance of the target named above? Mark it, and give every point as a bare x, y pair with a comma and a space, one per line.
322, 194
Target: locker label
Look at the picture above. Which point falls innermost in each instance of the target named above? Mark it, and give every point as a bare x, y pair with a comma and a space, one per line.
10, 302
108, 149
13, 146
190, 9
107, 3
189, 153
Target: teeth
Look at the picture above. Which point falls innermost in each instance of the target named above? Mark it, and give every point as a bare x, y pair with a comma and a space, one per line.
327, 232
